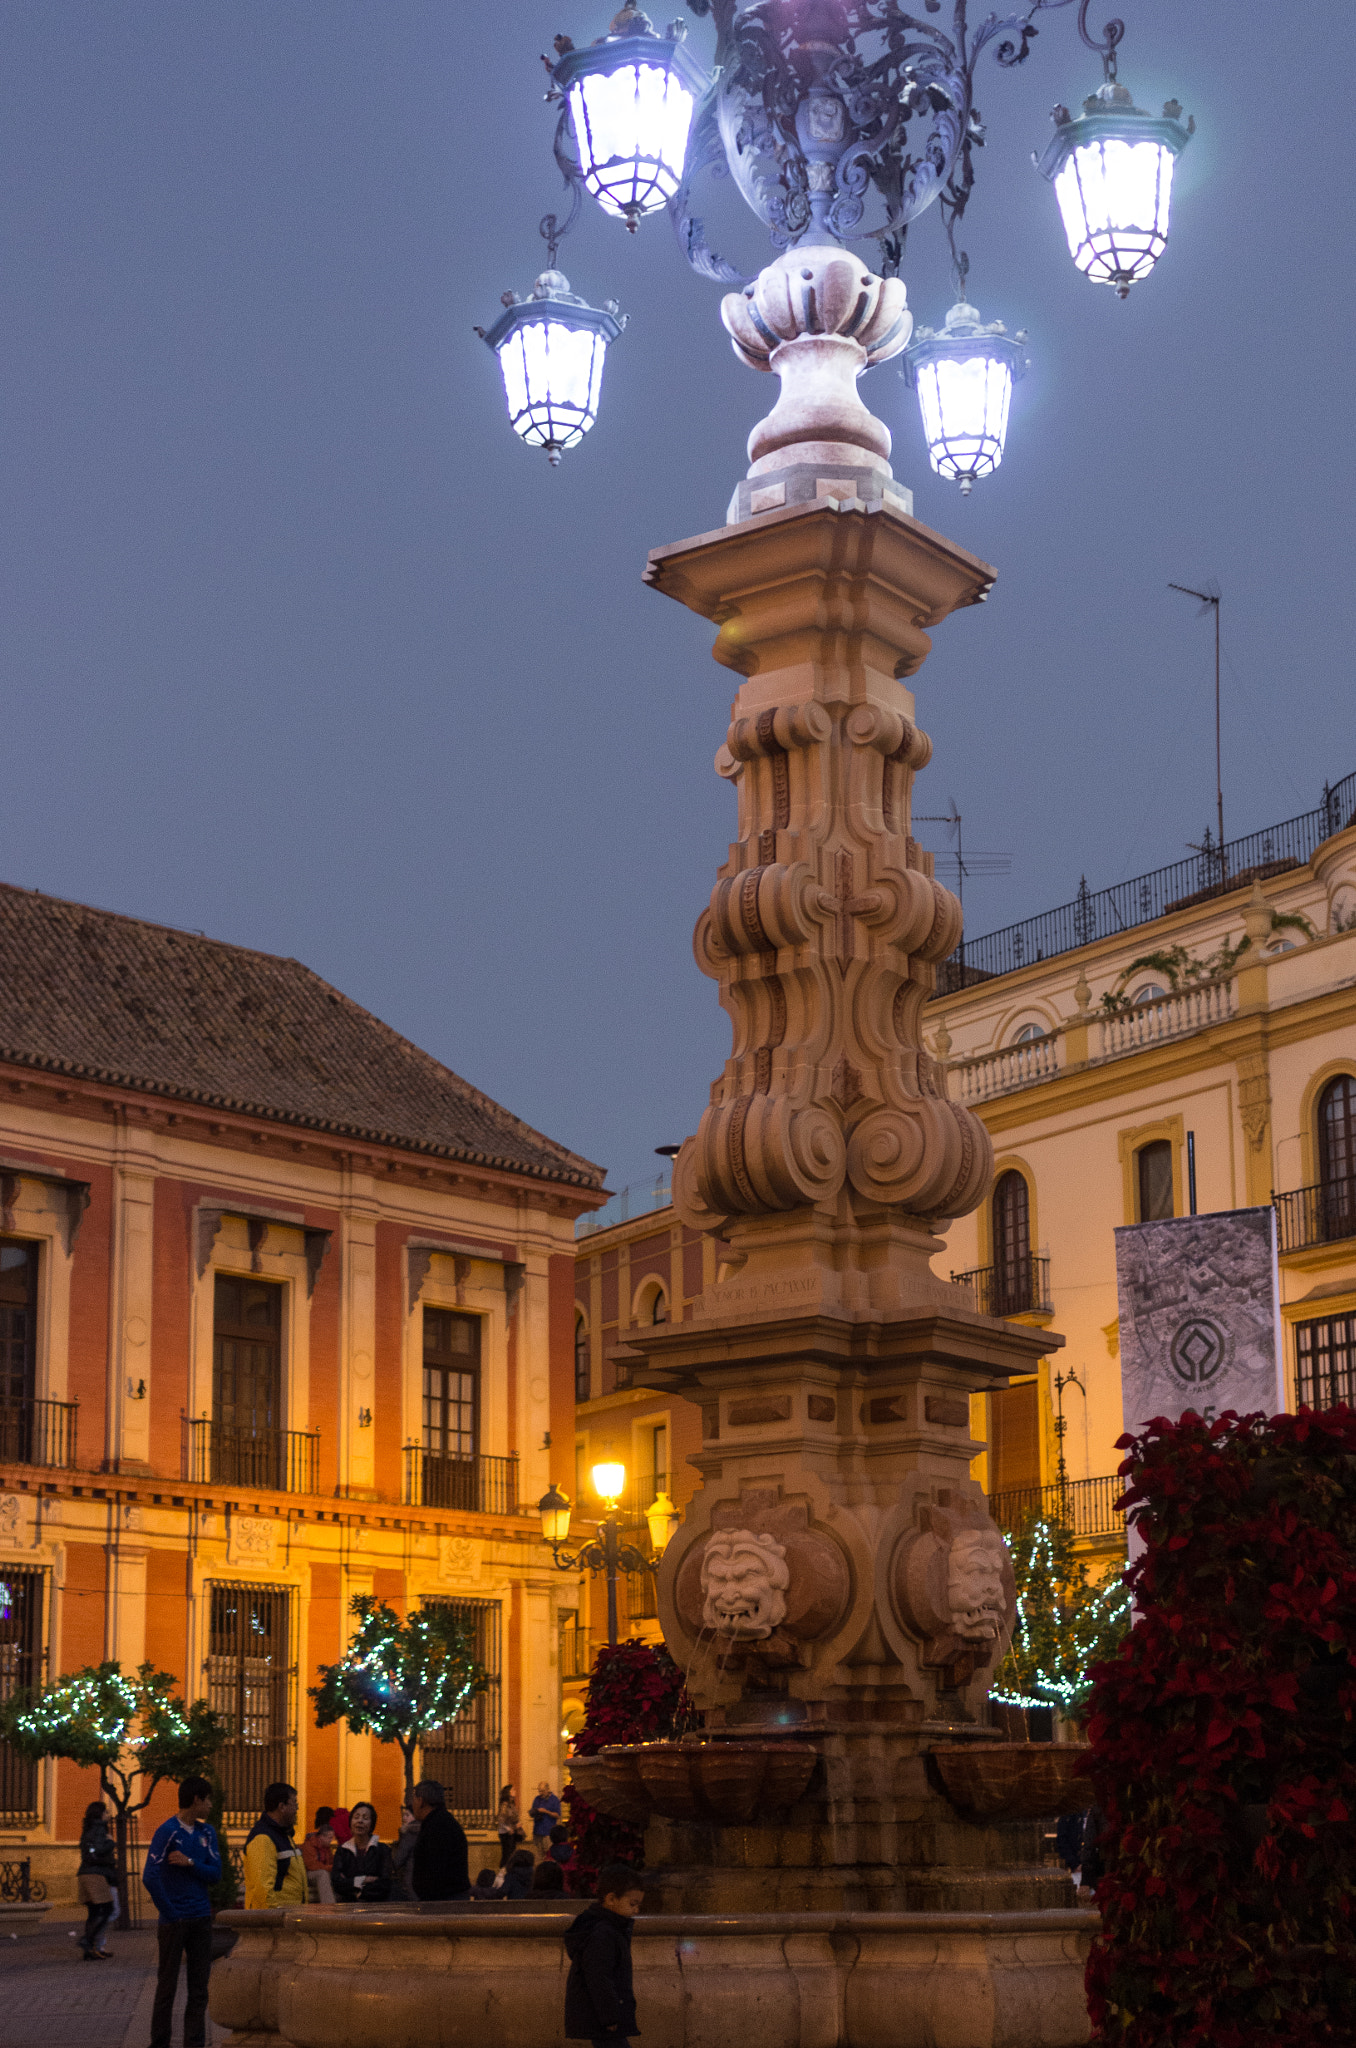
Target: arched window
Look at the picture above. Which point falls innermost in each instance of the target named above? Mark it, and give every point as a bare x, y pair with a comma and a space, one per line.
1150, 993
659, 1307
1011, 1245
1153, 1165
581, 1357
1028, 1034
1337, 1157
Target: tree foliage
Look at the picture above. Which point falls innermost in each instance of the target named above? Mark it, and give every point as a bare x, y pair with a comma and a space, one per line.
400, 1679
1064, 1626
1223, 1757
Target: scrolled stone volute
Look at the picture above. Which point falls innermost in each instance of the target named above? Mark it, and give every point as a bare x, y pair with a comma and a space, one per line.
760, 1153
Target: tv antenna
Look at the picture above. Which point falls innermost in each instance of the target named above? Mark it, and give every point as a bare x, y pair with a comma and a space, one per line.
1209, 601
960, 863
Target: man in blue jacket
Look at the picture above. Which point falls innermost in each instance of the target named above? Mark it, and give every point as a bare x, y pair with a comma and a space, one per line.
183, 1864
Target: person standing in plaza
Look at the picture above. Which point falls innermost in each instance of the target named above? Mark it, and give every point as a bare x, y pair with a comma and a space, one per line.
545, 1812
182, 1865
402, 1854
317, 1853
600, 2003
97, 1880
440, 1864
275, 1872
363, 1871
506, 1824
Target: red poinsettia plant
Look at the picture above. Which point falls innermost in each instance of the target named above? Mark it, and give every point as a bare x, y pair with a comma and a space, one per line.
635, 1694
1223, 1740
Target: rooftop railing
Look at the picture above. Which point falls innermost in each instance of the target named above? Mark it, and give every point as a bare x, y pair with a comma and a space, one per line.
1103, 913
637, 1198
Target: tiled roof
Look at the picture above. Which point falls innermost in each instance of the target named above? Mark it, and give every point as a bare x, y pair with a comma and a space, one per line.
90, 993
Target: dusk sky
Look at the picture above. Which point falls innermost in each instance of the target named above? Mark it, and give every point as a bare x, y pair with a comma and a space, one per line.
300, 647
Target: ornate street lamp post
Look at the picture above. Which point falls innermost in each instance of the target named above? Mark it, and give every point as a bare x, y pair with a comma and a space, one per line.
607, 1553
839, 121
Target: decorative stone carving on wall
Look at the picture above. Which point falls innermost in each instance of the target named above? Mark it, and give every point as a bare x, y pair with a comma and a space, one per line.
252, 1541
952, 1585
11, 1511
744, 1582
459, 1558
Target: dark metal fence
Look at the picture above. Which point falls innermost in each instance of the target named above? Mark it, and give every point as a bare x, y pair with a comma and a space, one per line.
1086, 1505
279, 1460
38, 1433
18, 1886
464, 1756
486, 1486
1014, 1289
1102, 913
1319, 1215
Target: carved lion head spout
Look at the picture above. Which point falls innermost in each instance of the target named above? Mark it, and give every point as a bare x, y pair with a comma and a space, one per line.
975, 1585
744, 1582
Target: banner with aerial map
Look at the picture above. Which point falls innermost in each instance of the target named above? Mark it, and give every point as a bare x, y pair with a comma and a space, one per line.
1200, 1317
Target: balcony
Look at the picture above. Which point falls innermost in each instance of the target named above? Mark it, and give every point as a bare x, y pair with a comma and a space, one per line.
480, 1486
38, 1433
228, 1454
1319, 1215
982, 1076
1021, 1287
1086, 1505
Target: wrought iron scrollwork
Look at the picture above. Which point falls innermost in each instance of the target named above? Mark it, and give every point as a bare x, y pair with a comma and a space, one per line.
1112, 36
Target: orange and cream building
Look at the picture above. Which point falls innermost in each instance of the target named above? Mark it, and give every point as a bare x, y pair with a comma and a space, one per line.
286, 1315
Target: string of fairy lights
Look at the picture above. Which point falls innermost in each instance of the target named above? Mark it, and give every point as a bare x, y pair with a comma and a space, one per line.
1084, 1629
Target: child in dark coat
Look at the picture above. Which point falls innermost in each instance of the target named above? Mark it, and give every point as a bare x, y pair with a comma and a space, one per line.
600, 2005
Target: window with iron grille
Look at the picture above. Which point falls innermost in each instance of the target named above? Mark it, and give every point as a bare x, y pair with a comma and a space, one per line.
249, 1681
1325, 1362
20, 1665
464, 1757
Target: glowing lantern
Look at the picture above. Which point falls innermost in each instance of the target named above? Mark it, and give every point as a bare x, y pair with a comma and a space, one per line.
630, 97
964, 377
1112, 174
551, 349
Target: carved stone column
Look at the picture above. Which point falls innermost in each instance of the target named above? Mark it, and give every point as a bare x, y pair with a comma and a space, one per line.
837, 1578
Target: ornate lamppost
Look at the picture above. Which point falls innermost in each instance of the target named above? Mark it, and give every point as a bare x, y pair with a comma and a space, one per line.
839, 121
607, 1553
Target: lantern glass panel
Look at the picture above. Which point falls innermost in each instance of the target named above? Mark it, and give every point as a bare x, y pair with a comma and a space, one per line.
1114, 198
553, 376
965, 413
630, 128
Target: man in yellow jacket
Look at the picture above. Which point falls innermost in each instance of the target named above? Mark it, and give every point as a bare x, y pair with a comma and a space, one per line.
275, 1874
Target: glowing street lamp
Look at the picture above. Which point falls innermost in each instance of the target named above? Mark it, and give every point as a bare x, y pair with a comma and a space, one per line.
609, 1482
608, 1554
630, 98
964, 376
551, 349
663, 1519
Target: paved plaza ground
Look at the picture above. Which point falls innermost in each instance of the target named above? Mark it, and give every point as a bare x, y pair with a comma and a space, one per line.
51, 1998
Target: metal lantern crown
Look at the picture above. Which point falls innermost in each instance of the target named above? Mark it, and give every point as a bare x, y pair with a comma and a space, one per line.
1112, 174
629, 98
551, 349
964, 377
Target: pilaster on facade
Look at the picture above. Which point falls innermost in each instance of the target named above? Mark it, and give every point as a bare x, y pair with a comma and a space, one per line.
131, 1305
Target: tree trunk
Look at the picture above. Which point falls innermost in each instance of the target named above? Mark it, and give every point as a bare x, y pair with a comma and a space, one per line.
407, 1751
124, 1920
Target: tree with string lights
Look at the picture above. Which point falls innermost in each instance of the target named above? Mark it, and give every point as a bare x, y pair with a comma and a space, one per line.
133, 1728
1064, 1624
399, 1680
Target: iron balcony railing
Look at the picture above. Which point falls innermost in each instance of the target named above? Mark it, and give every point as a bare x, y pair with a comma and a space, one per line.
1087, 1506
1320, 1215
484, 1486
18, 1886
1102, 913
280, 1460
1020, 1287
38, 1433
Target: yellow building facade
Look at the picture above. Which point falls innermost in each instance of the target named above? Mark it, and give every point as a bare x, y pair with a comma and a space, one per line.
1201, 1060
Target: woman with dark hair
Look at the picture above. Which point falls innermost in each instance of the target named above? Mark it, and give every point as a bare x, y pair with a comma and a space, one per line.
362, 1871
506, 1822
95, 1885
548, 1877
518, 1875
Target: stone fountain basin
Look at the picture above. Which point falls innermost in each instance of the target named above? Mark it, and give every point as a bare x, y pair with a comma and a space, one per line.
722, 1782
1013, 1780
